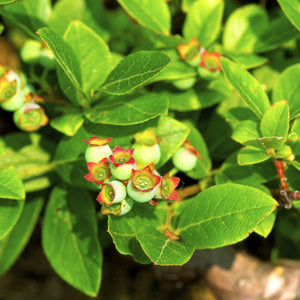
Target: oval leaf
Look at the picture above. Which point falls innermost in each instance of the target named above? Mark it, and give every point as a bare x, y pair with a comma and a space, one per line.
70, 241
292, 10
134, 70
203, 21
251, 155
153, 14
129, 110
11, 185
222, 215
246, 86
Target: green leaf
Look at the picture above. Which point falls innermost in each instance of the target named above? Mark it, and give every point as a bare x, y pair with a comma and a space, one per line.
243, 28
10, 211
69, 122
11, 185
245, 131
288, 88
246, 86
222, 215
162, 250
134, 70
172, 134
70, 240
153, 14
292, 10
90, 12
91, 52
13, 244
278, 32
128, 110
1, 28
28, 153
203, 21
249, 61
275, 121
251, 155
29, 15
272, 142
265, 227
64, 55
4, 2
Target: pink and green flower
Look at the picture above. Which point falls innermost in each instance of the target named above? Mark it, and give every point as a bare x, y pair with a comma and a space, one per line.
166, 188
98, 149
211, 61
190, 52
98, 172
118, 209
122, 163
141, 187
112, 193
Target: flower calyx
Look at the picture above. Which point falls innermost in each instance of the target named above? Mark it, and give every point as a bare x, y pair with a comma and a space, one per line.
98, 172
190, 52
98, 149
211, 61
112, 193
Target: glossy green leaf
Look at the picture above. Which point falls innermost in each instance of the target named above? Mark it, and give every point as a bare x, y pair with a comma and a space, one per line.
29, 15
203, 21
90, 12
10, 211
172, 134
128, 110
278, 32
265, 227
134, 70
288, 88
275, 121
70, 239
243, 28
222, 215
246, 86
251, 155
153, 14
249, 61
91, 52
245, 131
161, 249
13, 244
292, 10
69, 122
64, 55
272, 142
11, 185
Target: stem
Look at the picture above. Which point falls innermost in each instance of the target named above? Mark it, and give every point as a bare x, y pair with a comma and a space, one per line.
172, 172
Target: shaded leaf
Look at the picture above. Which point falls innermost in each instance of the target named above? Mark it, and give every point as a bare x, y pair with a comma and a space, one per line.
11, 186
292, 10
251, 155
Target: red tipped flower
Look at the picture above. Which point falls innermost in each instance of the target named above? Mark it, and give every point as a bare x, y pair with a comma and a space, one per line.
121, 157
144, 180
191, 51
98, 172
168, 186
96, 141
211, 61
111, 193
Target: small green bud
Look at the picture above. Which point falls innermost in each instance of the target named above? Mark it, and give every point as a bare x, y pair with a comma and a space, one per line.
14, 102
184, 160
30, 52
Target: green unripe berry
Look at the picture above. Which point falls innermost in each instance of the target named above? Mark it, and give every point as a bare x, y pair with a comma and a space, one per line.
184, 84
139, 196
14, 102
95, 153
122, 172
184, 160
207, 74
126, 206
30, 52
145, 155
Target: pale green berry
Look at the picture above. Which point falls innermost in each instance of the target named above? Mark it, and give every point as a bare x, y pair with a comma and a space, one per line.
126, 206
30, 52
139, 196
184, 84
145, 155
122, 172
14, 102
95, 153
184, 159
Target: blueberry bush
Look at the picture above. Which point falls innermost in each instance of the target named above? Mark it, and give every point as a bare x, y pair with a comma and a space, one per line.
116, 108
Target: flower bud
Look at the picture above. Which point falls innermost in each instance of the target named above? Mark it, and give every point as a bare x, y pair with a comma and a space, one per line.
211, 61
118, 209
166, 188
141, 187
186, 157
112, 193
190, 52
122, 163
98, 149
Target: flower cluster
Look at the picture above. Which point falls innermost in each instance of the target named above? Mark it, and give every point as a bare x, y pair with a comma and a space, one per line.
194, 54
128, 176
16, 96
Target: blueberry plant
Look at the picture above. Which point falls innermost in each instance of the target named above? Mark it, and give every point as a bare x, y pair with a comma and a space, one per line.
120, 106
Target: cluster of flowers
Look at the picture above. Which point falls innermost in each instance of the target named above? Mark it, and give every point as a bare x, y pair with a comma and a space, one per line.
16, 96
125, 176
195, 55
